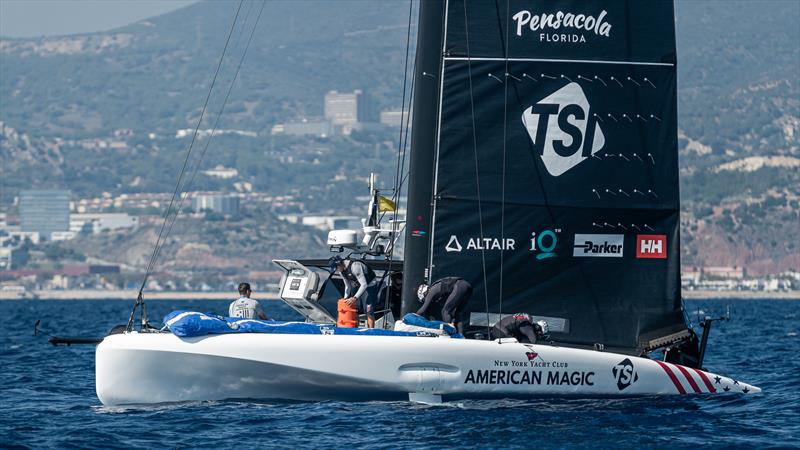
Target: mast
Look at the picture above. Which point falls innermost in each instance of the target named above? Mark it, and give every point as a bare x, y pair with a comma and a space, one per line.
423, 148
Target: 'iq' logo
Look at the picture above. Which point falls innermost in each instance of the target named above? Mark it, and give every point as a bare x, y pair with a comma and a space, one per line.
545, 243
569, 138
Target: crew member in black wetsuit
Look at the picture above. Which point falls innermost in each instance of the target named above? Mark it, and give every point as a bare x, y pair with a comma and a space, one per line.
453, 292
520, 326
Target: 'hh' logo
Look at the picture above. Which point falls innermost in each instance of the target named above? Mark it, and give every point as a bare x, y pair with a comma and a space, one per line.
568, 139
651, 246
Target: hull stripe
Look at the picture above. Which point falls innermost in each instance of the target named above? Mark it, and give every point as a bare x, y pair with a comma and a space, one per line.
706, 381
672, 377
689, 378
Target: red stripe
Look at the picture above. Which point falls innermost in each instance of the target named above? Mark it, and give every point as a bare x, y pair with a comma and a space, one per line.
672, 377
689, 377
705, 380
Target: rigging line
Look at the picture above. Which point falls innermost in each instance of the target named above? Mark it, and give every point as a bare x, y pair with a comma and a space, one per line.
405, 144
154, 256
399, 189
503, 189
243, 25
214, 128
477, 173
428, 273
403, 104
189, 151
184, 188
401, 146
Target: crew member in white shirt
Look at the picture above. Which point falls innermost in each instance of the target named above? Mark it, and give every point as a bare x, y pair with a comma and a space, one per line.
246, 307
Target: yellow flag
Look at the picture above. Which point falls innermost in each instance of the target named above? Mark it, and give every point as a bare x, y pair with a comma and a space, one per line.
384, 204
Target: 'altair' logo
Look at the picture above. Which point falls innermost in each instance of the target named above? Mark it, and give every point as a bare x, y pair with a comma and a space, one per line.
453, 245
569, 138
480, 244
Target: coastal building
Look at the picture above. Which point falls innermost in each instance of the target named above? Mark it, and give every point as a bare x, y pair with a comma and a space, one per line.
62, 235
305, 128
324, 223
98, 222
22, 236
44, 211
13, 257
221, 171
348, 108
218, 203
394, 118
724, 272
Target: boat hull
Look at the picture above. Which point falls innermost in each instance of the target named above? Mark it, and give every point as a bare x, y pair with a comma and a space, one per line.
135, 368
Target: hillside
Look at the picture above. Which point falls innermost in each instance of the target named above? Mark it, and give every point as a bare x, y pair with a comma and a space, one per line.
739, 111
153, 75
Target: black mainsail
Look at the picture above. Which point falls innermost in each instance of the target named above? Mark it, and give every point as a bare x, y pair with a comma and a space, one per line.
544, 164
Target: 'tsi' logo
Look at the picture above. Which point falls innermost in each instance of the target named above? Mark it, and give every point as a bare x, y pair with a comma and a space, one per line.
566, 140
651, 246
625, 374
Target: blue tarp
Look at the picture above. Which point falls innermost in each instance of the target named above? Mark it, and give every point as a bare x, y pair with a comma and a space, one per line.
192, 323
419, 321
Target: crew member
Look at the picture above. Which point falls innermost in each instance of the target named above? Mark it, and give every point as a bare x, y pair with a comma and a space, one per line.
453, 292
520, 326
246, 307
358, 279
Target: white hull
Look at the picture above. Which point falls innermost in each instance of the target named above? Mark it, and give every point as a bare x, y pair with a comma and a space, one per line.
160, 367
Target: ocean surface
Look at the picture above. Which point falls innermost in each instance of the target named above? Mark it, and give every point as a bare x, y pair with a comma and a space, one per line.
47, 397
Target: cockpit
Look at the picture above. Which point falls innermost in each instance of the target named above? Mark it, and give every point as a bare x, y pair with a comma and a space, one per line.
309, 287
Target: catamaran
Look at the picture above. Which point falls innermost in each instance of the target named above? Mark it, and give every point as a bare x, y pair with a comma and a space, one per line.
543, 170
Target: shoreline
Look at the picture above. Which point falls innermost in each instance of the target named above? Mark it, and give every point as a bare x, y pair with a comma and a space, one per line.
130, 295
740, 295
127, 295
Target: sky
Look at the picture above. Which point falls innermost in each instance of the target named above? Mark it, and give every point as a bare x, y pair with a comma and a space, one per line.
31, 18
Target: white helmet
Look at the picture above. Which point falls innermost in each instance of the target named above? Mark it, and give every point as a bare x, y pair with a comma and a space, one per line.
422, 291
545, 328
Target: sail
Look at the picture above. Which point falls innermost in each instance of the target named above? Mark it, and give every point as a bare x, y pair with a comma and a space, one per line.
555, 166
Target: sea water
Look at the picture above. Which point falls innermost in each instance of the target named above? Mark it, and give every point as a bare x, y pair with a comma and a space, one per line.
47, 397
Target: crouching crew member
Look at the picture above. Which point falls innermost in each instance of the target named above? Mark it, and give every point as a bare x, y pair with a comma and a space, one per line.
520, 326
453, 292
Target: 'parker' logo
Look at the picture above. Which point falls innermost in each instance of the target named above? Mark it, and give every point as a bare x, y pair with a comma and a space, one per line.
568, 139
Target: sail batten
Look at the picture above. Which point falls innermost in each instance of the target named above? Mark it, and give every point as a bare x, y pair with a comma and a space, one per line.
581, 102
575, 61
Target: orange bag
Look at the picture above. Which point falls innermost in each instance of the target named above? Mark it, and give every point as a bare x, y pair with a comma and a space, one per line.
348, 315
